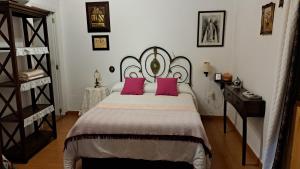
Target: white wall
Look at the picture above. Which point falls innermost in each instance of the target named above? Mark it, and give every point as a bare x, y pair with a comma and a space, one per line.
54, 6
172, 24
256, 63
135, 26
51, 5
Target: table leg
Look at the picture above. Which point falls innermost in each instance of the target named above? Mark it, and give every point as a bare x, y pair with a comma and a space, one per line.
244, 141
225, 115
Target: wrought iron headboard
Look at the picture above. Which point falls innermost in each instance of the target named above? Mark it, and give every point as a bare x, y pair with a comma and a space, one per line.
156, 62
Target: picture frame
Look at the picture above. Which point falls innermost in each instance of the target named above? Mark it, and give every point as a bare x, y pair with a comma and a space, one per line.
281, 3
218, 77
97, 14
100, 42
211, 28
267, 19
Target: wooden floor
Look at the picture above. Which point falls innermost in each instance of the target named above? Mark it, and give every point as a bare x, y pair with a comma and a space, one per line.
226, 148
51, 157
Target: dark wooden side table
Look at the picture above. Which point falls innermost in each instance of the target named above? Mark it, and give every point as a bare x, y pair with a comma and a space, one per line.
245, 107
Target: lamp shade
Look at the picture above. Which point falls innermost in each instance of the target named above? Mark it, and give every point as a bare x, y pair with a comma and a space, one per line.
206, 68
97, 75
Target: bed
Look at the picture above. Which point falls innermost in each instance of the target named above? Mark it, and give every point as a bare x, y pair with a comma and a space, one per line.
142, 131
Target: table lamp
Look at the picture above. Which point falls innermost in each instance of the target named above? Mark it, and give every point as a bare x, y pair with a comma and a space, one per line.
98, 79
206, 68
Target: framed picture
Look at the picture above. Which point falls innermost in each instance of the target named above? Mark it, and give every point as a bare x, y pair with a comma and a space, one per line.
211, 28
97, 14
267, 19
218, 77
281, 3
100, 42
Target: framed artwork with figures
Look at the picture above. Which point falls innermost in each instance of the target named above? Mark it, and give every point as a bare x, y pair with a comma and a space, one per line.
267, 19
211, 28
97, 14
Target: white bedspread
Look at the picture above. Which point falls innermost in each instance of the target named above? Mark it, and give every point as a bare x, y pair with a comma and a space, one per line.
145, 108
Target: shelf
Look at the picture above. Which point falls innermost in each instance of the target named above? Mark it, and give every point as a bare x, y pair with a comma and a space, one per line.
20, 10
24, 51
33, 144
29, 113
34, 83
31, 51
27, 85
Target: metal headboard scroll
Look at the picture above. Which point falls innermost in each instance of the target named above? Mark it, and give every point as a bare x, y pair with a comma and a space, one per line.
156, 62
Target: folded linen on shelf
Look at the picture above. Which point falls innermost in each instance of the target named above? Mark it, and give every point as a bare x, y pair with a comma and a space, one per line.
31, 51
31, 78
31, 74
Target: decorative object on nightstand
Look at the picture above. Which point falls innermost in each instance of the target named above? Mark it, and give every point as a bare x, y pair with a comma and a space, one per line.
226, 78
237, 83
92, 96
245, 107
206, 68
250, 95
218, 77
98, 79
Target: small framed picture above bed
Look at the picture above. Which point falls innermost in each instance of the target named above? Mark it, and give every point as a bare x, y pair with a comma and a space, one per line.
100, 42
211, 28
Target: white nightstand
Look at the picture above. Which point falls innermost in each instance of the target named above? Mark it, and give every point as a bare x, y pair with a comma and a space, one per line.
91, 97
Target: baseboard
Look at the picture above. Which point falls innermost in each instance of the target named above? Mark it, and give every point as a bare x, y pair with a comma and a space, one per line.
72, 113
211, 117
229, 122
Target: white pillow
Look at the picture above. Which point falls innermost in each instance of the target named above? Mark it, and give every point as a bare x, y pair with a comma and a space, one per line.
182, 88
150, 87
117, 87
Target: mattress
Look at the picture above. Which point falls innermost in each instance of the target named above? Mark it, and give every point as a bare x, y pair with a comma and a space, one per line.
147, 127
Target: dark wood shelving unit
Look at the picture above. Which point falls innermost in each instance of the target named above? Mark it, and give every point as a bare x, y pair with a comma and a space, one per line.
20, 146
34, 142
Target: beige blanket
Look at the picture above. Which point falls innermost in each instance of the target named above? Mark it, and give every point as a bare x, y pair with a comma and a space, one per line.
173, 122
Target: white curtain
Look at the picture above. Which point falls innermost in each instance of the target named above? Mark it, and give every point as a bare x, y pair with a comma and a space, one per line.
275, 114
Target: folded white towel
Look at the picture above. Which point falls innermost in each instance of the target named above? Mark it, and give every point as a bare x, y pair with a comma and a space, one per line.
31, 78
31, 73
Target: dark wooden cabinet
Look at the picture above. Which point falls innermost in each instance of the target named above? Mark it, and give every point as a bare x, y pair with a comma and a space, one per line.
15, 116
245, 107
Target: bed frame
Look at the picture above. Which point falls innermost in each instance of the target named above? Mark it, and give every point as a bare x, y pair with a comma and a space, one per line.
154, 62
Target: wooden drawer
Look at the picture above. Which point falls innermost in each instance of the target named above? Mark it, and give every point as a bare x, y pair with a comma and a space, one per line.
234, 100
228, 95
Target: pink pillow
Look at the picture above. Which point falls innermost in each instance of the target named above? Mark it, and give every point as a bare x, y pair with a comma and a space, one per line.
166, 86
133, 86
